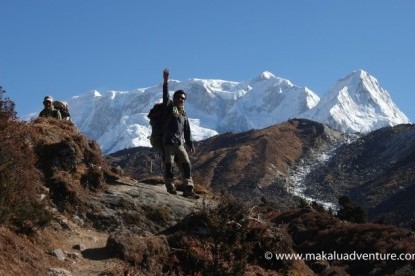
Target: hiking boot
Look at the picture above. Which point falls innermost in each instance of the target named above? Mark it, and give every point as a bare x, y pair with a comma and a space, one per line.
172, 191
170, 186
190, 194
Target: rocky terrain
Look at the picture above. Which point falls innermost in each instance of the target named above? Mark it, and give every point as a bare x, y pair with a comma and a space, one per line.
375, 170
65, 209
250, 165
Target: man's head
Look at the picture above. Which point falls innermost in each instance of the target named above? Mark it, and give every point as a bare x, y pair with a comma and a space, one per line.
48, 102
179, 97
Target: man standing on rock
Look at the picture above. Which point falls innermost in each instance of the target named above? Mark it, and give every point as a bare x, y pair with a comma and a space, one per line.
176, 134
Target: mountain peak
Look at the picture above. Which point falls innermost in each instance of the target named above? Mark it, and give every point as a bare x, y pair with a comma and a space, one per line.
360, 73
355, 77
95, 93
355, 104
267, 75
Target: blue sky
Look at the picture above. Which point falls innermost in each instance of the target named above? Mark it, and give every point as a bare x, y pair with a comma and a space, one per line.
67, 48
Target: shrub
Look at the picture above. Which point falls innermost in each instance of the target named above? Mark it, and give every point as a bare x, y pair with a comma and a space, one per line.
350, 211
228, 232
157, 214
215, 242
20, 182
6, 108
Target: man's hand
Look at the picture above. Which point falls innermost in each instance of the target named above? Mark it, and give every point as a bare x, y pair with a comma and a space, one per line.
166, 75
192, 149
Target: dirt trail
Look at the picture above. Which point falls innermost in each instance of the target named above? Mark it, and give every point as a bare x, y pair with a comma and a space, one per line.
86, 247
85, 251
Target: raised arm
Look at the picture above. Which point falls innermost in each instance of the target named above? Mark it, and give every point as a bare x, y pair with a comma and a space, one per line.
166, 96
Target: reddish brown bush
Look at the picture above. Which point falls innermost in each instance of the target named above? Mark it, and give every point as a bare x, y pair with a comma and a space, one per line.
6, 108
20, 182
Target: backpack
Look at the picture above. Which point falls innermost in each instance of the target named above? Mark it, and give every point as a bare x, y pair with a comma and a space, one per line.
156, 116
63, 109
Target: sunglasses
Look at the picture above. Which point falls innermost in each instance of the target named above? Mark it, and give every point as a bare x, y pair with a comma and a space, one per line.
181, 98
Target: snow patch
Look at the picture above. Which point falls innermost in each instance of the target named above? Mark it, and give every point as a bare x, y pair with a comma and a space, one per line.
296, 181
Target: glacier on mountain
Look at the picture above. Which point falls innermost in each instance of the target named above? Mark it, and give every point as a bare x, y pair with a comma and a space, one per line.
117, 119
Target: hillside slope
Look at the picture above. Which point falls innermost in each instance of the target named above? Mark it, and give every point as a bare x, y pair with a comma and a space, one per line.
105, 223
86, 199
377, 171
250, 165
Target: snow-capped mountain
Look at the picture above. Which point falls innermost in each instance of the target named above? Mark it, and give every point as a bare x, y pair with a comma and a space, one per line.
357, 103
267, 100
117, 119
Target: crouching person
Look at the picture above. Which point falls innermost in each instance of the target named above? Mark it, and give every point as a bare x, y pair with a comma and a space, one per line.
176, 135
49, 110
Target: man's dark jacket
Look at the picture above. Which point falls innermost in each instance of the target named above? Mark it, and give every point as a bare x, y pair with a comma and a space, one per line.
177, 128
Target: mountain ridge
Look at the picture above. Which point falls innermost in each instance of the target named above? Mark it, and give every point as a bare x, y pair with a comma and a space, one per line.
249, 165
117, 120
282, 164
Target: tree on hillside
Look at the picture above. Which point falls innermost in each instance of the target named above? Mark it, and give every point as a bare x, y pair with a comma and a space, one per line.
350, 211
7, 106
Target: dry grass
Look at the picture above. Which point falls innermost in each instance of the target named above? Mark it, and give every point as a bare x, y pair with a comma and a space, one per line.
315, 232
20, 256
